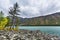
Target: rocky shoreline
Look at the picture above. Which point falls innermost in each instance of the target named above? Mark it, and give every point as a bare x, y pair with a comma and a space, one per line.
26, 35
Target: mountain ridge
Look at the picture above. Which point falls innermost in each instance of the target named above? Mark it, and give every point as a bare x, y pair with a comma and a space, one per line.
52, 19
44, 20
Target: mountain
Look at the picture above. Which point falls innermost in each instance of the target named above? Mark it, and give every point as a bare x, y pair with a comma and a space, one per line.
52, 19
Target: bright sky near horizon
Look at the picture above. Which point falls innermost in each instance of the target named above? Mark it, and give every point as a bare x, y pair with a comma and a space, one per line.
32, 8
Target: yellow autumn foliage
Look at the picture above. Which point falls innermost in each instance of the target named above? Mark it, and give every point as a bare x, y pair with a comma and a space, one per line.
3, 22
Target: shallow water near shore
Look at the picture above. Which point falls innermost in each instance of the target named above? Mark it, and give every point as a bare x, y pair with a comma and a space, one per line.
55, 30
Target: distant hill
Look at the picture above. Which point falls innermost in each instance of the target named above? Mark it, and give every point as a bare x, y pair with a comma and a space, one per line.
52, 19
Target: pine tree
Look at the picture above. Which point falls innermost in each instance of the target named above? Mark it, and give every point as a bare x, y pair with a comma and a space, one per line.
14, 12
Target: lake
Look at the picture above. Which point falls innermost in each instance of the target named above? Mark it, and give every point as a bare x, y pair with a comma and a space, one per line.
55, 30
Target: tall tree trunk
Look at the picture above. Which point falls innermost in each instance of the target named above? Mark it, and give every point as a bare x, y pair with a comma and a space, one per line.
13, 21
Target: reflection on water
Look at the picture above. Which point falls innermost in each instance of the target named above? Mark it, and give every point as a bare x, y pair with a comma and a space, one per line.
49, 29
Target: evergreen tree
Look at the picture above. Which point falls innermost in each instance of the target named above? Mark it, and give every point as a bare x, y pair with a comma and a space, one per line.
14, 12
1, 15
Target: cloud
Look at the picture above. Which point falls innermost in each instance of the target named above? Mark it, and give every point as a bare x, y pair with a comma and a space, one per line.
40, 7
32, 8
29, 11
4, 6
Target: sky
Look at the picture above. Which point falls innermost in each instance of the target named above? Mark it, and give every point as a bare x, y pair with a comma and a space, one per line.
31, 8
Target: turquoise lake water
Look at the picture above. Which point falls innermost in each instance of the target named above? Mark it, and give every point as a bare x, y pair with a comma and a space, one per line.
55, 30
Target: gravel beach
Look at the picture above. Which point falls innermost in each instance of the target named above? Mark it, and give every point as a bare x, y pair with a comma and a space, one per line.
26, 35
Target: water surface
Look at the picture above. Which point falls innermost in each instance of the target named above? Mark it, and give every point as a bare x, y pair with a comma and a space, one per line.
55, 30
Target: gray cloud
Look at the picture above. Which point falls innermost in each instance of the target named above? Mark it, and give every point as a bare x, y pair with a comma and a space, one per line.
32, 8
